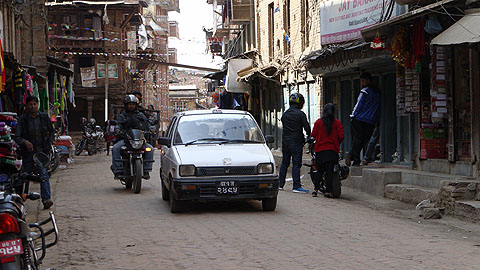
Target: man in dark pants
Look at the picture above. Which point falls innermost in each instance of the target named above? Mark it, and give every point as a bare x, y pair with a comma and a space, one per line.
364, 117
35, 135
294, 122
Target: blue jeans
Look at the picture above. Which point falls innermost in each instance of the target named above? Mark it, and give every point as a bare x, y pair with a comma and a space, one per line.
117, 164
292, 151
370, 152
27, 166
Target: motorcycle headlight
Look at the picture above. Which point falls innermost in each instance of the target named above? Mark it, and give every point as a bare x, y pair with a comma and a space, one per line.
136, 144
187, 170
265, 168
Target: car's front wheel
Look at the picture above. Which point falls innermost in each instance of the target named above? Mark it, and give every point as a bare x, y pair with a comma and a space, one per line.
176, 206
269, 204
165, 194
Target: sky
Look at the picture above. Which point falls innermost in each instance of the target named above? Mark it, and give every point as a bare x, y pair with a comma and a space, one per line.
191, 47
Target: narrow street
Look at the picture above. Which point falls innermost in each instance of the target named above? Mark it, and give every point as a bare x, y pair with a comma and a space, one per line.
104, 226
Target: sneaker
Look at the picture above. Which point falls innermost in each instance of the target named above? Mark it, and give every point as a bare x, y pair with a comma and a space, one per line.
328, 195
47, 204
300, 190
314, 194
364, 162
280, 188
146, 175
348, 159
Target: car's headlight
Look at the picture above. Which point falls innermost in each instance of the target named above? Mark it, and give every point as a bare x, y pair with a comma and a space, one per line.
265, 168
136, 144
187, 170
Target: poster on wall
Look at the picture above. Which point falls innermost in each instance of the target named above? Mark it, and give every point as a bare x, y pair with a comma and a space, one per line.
342, 20
88, 77
112, 71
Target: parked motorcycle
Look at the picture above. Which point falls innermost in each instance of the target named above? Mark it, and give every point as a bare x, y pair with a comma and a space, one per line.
341, 172
92, 137
133, 158
22, 246
54, 156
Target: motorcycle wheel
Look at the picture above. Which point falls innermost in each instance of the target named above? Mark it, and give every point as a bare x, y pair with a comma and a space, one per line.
79, 147
91, 148
54, 161
137, 177
336, 186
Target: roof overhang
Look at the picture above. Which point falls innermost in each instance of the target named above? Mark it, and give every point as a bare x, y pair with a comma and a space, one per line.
384, 28
465, 30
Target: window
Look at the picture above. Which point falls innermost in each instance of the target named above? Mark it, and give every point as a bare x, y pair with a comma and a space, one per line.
305, 24
271, 30
286, 26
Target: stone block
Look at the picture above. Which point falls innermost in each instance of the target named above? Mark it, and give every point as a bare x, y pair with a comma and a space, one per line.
468, 209
431, 213
410, 194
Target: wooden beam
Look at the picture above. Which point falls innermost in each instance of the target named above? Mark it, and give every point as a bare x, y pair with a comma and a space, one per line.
171, 64
127, 20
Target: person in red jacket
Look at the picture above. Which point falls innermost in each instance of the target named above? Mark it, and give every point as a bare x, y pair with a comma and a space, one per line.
328, 133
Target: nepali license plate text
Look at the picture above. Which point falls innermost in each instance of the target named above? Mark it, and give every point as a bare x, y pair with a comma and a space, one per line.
11, 248
227, 187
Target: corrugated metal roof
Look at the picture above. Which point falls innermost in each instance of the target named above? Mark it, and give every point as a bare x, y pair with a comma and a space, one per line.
465, 30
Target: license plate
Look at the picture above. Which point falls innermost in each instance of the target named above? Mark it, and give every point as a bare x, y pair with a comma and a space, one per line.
227, 187
11, 248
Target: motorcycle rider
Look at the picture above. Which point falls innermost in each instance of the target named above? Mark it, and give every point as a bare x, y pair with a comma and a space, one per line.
35, 134
328, 133
130, 118
294, 122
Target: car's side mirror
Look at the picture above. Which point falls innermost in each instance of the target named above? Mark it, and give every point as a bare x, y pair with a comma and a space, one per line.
164, 141
270, 139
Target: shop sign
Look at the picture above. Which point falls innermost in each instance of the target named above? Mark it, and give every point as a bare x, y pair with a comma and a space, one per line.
342, 20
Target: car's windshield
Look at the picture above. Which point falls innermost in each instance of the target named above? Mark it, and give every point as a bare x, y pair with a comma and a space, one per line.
217, 128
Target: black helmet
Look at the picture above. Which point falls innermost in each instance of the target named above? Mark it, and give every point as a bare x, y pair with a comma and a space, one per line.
296, 98
130, 99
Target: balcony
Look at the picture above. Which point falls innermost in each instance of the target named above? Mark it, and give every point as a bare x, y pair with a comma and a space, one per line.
240, 12
169, 5
162, 20
173, 28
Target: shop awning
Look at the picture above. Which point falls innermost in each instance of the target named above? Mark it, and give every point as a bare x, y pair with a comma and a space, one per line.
60, 66
465, 30
332, 49
216, 75
384, 27
267, 72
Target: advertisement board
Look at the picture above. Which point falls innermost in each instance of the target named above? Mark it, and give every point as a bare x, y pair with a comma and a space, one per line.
342, 20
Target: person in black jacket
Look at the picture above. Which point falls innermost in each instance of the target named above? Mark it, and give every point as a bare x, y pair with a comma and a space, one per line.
294, 122
131, 118
35, 134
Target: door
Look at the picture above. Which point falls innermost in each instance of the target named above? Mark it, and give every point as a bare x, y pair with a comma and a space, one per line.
388, 119
344, 110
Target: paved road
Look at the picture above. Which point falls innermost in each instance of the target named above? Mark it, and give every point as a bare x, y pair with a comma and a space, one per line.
104, 226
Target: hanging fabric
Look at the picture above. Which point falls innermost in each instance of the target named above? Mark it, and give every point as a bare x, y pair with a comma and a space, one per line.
35, 91
2, 69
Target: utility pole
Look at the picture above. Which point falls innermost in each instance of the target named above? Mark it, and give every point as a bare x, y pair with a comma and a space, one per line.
106, 89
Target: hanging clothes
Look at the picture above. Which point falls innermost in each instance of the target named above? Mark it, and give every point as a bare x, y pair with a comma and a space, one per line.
35, 90
2, 69
19, 85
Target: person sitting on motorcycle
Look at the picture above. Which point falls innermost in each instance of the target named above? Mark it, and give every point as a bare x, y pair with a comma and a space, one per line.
328, 134
130, 118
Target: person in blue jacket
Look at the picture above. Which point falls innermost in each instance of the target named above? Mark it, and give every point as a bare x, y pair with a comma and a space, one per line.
365, 115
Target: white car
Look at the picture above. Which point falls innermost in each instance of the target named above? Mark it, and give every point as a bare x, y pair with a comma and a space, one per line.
217, 155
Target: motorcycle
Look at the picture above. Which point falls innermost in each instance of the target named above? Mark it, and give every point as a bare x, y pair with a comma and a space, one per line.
133, 158
341, 172
92, 137
22, 246
54, 157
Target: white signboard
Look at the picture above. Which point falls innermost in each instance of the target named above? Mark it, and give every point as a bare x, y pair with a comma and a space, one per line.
342, 20
234, 66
